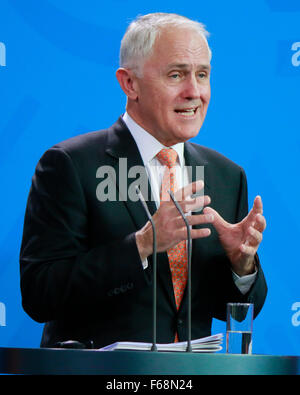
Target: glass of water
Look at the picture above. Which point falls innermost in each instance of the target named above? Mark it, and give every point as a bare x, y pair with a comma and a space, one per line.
239, 327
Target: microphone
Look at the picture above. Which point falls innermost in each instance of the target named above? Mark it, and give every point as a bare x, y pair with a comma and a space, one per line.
142, 200
189, 253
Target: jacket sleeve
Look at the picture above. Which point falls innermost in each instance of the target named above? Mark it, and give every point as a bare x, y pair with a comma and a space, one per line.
258, 291
229, 291
60, 273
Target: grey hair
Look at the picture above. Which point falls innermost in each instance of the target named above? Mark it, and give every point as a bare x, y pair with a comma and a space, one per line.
140, 36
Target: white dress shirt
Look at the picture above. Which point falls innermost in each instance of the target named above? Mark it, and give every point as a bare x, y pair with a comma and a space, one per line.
149, 147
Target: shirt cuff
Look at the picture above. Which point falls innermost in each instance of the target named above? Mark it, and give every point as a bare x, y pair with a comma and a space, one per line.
244, 283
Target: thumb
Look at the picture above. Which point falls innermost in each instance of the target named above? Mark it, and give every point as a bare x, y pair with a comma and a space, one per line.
257, 208
219, 223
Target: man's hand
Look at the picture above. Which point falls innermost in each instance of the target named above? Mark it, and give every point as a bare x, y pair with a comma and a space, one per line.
241, 240
169, 225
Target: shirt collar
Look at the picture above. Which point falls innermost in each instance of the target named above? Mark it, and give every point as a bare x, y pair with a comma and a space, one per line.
148, 145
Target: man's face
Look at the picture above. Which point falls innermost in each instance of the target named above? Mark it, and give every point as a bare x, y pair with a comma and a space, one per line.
174, 91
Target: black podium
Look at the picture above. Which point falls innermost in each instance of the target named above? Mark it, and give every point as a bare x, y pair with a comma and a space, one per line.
68, 361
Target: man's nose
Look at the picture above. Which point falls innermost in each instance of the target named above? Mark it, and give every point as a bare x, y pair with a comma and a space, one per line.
192, 88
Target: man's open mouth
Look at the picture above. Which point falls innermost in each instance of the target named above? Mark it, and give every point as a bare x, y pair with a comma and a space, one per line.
187, 111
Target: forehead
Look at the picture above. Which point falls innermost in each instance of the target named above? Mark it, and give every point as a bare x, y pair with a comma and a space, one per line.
181, 46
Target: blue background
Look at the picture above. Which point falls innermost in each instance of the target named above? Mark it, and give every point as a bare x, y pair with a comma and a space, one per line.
59, 81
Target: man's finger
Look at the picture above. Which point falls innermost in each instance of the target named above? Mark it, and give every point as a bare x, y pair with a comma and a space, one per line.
260, 223
181, 234
254, 238
195, 204
257, 205
219, 223
248, 250
193, 220
189, 190
257, 208
200, 219
200, 233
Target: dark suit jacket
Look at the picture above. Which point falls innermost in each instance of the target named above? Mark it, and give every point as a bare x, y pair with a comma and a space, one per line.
80, 268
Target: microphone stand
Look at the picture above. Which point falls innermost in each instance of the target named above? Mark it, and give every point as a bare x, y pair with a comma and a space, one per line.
189, 253
142, 200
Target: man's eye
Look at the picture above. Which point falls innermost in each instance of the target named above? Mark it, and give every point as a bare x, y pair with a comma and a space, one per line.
202, 75
175, 76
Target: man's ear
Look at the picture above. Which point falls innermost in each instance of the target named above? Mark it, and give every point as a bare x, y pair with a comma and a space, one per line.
127, 81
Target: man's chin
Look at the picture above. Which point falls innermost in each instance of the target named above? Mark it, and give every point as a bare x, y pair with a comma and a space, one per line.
190, 133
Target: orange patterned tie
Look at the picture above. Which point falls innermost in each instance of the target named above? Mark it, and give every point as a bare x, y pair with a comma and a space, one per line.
177, 254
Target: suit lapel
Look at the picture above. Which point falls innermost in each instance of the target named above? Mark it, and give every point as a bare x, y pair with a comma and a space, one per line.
128, 165
193, 160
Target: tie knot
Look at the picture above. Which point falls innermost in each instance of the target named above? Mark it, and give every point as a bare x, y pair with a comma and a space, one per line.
167, 157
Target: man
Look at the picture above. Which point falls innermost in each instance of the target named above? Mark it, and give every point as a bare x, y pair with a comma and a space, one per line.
86, 262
